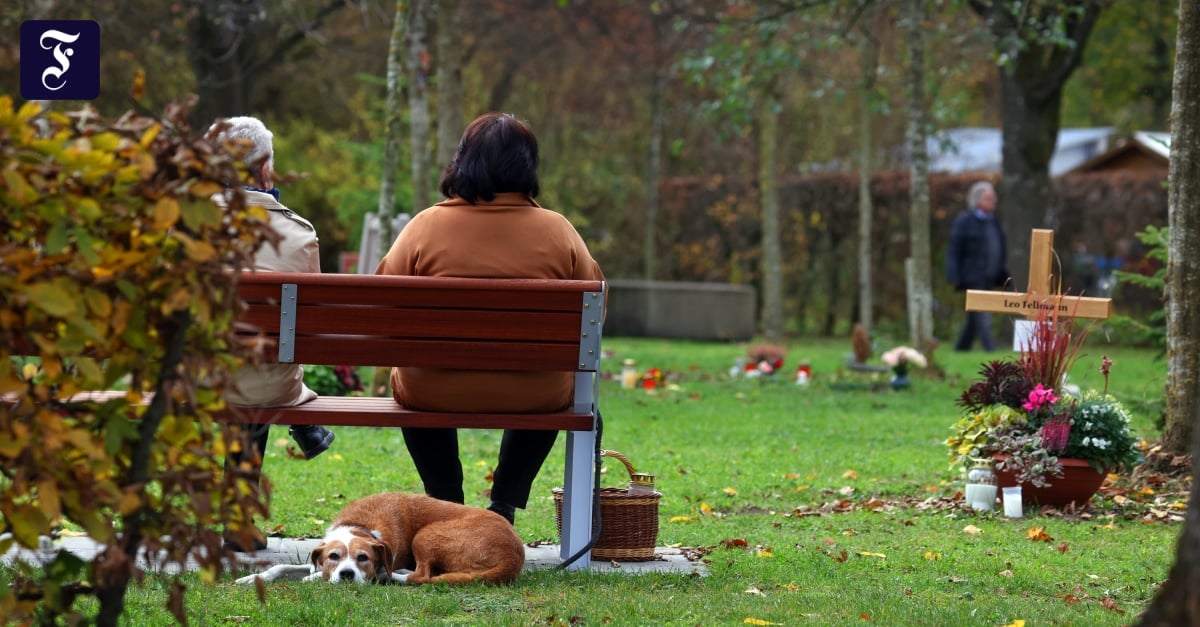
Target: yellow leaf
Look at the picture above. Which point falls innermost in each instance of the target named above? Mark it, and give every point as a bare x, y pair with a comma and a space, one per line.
850, 474
48, 499
1038, 534
1016, 623
758, 621
706, 509
130, 502
198, 214
930, 555
676, 519
137, 90
204, 189
166, 212
198, 250
178, 301
730, 491
870, 554
52, 299
149, 135
801, 488
765, 554
972, 530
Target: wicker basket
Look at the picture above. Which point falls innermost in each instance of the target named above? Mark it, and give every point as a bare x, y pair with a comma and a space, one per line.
628, 522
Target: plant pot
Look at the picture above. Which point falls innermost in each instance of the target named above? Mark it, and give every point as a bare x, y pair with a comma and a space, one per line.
1077, 484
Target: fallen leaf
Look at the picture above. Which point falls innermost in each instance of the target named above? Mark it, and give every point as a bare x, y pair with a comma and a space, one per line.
846, 491
1062, 547
676, 519
730, 491
1005, 573
765, 553
1020, 622
865, 616
972, 530
1038, 534
1111, 605
840, 556
758, 621
706, 509
870, 554
735, 543
1071, 599
755, 591
930, 555
957, 579
850, 474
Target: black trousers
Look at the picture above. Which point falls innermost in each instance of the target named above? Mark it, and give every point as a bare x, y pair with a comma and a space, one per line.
435, 454
257, 435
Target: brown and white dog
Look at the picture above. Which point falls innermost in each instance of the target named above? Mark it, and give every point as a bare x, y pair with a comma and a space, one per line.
409, 538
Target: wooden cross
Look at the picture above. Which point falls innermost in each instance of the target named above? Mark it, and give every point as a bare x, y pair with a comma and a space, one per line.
1039, 297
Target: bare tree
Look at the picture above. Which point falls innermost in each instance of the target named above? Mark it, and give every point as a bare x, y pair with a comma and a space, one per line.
393, 122
920, 280
449, 81
1178, 602
869, 51
418, 102
768, 189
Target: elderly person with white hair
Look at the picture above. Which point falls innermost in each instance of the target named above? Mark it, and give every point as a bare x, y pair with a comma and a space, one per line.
977, 260
272, 385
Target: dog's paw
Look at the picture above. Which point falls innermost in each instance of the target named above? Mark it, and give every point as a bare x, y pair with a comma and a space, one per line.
401, 576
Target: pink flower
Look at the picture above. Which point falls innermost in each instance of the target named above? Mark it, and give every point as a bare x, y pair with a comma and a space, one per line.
1039, 397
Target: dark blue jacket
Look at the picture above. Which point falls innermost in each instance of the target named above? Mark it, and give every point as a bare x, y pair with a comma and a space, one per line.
968, 266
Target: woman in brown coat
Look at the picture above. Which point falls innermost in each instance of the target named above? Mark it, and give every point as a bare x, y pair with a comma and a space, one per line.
490, 226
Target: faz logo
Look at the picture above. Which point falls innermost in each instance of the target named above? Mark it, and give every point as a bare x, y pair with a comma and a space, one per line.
60, 60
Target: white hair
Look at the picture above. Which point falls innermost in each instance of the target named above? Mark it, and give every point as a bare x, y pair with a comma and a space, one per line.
252, 129
976, 192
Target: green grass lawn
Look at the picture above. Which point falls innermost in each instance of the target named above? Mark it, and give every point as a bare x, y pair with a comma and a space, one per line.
738, 461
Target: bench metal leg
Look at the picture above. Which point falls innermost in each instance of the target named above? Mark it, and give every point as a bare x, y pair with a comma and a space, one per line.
578, 484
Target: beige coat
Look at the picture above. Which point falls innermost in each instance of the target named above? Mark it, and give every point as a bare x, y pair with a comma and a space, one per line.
510, 237
278, 385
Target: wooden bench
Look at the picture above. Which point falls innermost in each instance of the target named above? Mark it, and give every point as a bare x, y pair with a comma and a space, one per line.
480, 324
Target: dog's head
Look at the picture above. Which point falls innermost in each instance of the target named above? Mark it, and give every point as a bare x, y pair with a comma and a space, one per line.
352, 554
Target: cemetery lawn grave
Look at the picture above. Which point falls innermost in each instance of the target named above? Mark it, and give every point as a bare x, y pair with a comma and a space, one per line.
880, 541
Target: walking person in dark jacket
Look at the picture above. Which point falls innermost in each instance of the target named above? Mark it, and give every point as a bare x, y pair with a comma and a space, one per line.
977, 260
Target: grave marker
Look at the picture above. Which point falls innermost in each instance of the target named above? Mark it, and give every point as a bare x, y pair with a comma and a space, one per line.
1039, 297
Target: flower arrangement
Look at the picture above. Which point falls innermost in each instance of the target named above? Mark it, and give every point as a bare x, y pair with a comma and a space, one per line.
1030, 426
763, 359
901, 357
1018, 413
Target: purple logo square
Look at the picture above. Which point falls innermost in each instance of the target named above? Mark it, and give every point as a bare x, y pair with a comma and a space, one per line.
60, 60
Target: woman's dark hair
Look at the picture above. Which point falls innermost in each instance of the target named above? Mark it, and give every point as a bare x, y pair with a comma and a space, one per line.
497, 153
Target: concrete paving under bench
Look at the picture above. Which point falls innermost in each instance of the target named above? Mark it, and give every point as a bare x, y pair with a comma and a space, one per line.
296, 551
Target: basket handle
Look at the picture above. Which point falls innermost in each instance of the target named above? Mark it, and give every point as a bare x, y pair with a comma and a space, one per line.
621, 458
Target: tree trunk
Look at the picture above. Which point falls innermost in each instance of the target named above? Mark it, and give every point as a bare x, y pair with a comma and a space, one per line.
1183, 247
1178, 601
768, 189
866, 209
449, 75
393, 126
653, 172
220, 49
921, 300
418, 103
1039, 45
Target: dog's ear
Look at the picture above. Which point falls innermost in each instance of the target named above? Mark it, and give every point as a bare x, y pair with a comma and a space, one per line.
317, 556
383, 562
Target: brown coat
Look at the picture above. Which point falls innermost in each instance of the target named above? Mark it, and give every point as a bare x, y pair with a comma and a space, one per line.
509, 237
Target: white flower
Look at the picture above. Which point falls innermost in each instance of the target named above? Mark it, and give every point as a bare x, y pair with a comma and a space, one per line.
904, 354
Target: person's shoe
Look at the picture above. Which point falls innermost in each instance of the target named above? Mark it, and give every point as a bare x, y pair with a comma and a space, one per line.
257, 543
504, 509
313, 439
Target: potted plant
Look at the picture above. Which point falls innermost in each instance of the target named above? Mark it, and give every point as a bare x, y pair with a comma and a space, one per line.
1057, 444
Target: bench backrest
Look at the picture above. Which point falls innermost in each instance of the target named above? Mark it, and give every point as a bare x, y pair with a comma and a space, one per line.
479, 324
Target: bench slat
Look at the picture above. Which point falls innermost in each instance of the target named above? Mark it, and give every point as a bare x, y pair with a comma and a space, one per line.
420, 322
479, 354
421, 292
384, 412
